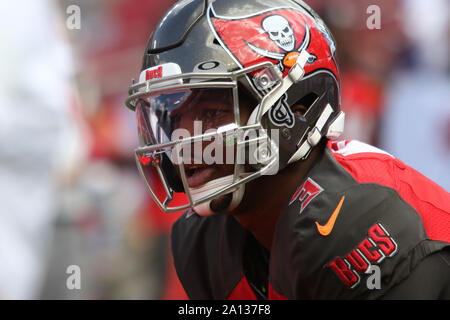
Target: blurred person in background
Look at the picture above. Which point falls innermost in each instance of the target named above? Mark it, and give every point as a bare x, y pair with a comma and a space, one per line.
367, 57
121, 247
416, 120
38, 139
395, 79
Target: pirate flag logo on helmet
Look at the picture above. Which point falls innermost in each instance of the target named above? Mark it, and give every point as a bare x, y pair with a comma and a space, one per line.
277, 35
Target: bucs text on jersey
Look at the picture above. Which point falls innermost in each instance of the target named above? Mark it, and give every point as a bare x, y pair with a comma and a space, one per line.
358, 207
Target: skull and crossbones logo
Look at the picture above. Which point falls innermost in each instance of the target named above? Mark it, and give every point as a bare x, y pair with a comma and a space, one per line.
280, 31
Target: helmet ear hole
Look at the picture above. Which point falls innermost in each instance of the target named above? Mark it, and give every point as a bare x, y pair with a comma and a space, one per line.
301, 106
307, 100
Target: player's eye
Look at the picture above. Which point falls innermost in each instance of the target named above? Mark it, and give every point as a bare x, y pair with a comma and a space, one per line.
299, 109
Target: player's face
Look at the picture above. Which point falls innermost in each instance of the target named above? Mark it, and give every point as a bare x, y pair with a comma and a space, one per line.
209, 110
212, 110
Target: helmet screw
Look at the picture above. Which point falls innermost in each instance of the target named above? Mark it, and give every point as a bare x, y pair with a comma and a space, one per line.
262, 154
286, 133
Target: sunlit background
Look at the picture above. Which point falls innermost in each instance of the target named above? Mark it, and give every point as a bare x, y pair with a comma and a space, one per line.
70, 194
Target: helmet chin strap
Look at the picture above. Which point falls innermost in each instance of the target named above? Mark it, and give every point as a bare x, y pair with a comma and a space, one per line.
204, 209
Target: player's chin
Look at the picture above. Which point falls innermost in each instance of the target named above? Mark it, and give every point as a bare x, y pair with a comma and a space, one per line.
221, 203
217, 205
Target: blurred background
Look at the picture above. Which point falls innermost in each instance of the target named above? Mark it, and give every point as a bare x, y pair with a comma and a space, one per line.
70, 193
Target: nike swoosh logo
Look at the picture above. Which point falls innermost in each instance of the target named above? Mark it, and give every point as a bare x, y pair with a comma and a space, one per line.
326, 229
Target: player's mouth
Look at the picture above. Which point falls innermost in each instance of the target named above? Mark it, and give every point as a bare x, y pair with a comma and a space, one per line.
199, 175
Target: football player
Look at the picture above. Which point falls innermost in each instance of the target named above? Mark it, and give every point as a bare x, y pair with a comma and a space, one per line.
238, 112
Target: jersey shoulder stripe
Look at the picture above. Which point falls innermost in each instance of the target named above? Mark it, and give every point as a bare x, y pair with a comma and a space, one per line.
355, 147
367, 164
